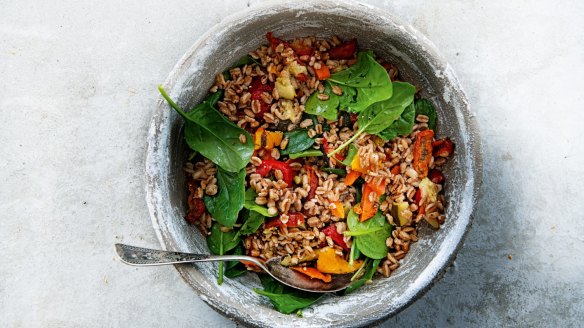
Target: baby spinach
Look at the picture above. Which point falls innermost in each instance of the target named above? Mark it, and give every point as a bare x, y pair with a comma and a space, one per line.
350, 155
402, 126
325, 108
250, 204
364, 83
370, 235
235, 268
252, 222
219, 243
214, 136
285, 299
298, 140
425, 107
371, 269
381, 115
330, 170
306, 153
230, 198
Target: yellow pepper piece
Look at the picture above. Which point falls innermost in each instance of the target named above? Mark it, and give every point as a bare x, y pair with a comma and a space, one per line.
337, 209
329, 262
267, 139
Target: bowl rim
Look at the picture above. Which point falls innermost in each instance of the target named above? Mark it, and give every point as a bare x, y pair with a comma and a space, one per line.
437, 267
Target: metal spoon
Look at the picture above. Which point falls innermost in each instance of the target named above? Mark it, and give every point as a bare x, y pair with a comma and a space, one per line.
147, 257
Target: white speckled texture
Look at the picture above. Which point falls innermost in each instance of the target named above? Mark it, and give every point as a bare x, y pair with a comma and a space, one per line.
78, 82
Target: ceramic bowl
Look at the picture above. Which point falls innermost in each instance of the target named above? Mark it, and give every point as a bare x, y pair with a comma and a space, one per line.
419, 63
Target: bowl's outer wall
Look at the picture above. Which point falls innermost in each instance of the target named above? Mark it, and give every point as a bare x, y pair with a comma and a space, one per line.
418, 62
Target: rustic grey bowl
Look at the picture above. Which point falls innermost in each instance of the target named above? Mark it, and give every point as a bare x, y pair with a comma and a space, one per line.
419, 62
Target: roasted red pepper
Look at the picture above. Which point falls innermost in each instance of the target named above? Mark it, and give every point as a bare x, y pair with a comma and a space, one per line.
327, 149
423, 152
196, 205
443, 147
294, 220
312, 181
256, 89
196, 209
344, 51
337, 238
271, 164
418, 197
436, 176
300, 48
274, 42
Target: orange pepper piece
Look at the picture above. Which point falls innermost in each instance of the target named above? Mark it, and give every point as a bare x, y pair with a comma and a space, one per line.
352, 177
369, 203
329, 262
323, 72
338, 210
313, 273
423, 152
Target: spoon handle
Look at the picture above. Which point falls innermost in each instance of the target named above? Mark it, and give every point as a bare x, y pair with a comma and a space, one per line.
145, 257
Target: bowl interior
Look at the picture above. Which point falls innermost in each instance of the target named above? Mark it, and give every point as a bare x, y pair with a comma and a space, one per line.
418, 63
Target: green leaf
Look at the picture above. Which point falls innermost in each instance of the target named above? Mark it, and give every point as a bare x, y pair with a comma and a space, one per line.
402, 126
381, 115
365, 73
363, 84
306, 153
298, 140
252, 223
285, 300
370, 235
235, 268
425, 107
371, 269
214, 136
330, 170
250, 204
325, 108
230, 197
220, 242
350, 155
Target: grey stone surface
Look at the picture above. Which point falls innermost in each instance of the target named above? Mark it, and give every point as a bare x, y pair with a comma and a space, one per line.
77, 88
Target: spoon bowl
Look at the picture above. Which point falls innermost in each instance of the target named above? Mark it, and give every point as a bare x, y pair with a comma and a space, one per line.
139, 256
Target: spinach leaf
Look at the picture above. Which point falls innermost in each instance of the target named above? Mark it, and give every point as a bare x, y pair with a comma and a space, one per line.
250, 204
325, 108
371, 234
252, 223
350, 155
330, 170
365, 73
298, 140
230, 197
371, 269
363, 84
306, 153
381, 115
235, 268
402, 126
285, 300
220, 242
425, 107
214, 136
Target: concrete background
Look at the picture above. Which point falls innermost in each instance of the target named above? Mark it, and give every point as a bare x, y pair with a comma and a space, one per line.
77, 88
